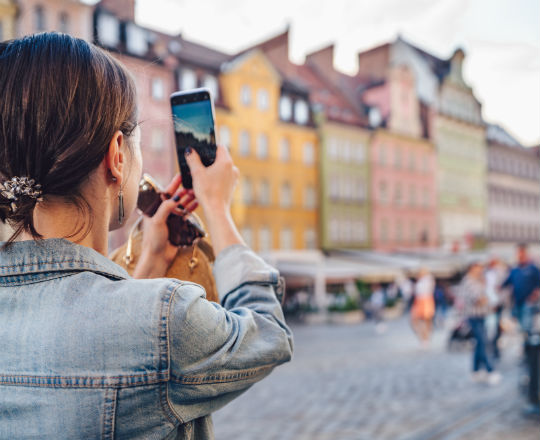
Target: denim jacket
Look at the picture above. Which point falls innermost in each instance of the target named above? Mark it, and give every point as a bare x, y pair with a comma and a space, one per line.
88, 352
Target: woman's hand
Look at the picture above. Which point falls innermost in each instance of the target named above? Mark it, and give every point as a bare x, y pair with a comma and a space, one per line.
214, 187
157, 251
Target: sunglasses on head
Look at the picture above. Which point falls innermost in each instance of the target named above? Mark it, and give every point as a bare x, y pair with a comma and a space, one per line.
184, 229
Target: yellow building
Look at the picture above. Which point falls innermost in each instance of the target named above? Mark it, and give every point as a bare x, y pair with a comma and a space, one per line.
8, 15
268, 125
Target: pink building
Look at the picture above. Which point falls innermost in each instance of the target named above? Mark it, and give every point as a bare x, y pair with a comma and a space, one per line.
71, 17
403, 166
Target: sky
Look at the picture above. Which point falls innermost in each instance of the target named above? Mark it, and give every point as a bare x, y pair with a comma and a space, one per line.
195, 117
501, 39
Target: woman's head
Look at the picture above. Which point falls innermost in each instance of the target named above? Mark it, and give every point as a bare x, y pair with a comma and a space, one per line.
68, 116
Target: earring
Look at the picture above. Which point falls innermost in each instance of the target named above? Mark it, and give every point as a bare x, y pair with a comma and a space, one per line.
121, 207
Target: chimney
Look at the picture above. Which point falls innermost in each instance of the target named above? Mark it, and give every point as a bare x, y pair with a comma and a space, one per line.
456, 62
322, 60
123, 9
277, 48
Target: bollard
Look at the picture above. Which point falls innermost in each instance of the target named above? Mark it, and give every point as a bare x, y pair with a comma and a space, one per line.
532, 348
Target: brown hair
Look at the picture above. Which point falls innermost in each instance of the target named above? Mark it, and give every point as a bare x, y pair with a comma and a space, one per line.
62, 101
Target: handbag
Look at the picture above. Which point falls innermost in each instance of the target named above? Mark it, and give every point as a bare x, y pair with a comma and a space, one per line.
195, 256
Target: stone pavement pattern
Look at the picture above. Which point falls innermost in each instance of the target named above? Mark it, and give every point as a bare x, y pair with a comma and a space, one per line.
350, 383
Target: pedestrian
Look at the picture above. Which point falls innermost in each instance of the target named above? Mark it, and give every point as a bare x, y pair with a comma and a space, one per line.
496, 273
524, 281
377, 303
87, 351
440, 305
423, 308
476, 307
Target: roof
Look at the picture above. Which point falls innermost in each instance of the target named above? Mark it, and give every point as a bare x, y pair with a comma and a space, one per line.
495, 134
440, 67
304, 78
176, 46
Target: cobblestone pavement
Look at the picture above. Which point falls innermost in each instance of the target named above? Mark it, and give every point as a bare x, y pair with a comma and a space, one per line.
351, 383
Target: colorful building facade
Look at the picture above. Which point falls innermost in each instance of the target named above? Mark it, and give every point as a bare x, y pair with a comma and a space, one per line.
513, 191
343, 204
269, 128
8, 16
452, 116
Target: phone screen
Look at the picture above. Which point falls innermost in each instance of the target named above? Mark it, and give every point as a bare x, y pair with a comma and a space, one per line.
193, 127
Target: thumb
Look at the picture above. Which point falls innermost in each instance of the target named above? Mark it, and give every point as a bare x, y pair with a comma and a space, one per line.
193, 160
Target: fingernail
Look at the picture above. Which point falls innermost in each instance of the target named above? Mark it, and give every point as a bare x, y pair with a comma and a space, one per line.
188, 151
180, 206
176, 197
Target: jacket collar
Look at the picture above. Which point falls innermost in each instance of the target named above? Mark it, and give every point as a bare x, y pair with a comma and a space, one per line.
55, 255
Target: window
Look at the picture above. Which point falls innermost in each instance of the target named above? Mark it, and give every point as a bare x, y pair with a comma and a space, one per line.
245, 95
188, 79
247, 235
286, 195
346, 151
334, 230
285, 108
286, 238
413, 233
310, 238
382, 154
136, 39
263, 101
309, 197
360, 153
265, 239
333, 148
426, 197
383, 192
264, 193
412, 162
425, 164
399, 231
63, 23
247, 191
412, 195
309, 153
262, 146
158, 89
397, 158
108, 30
39, 19
334, 187
384, 230
244, 143
301, 112
359, 231
284, 150
158, 139
225, 136
398, 196
211, 82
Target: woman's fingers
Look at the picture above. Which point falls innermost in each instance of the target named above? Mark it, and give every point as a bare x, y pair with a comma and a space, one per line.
174, 184
192, 206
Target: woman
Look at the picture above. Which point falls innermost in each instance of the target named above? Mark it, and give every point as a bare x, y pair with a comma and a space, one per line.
475, 308
423, 308
88, 351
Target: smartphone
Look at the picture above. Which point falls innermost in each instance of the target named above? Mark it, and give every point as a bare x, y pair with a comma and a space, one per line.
193, 119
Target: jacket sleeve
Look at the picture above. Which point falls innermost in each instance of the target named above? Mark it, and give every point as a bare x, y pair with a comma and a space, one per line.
217, 351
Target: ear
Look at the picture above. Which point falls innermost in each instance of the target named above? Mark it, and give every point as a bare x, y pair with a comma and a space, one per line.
115, 157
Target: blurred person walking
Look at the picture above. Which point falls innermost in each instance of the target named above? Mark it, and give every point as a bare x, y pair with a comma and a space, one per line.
476, 307
423, 308
496, 273
524, 280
